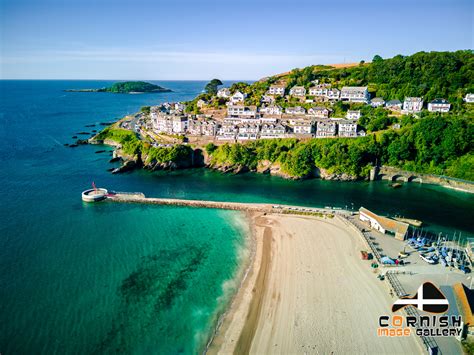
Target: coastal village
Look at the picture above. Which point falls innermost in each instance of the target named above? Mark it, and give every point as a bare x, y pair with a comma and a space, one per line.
240, 122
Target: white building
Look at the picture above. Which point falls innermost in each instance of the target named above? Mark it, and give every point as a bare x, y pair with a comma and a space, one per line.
237, 97
347, 128
201, 103
248, 131
223, 93
353, 114
227, 131
469, 98
209, 128
303, 127
325, 129
270, 130
355, 94
268, 99
276, 90
377, 102
333, 94
394, 105
319, 112
295, 110
319, 90
413, 104
271, 110
194, 127
241, 111
170, 124
298, 91
439, 105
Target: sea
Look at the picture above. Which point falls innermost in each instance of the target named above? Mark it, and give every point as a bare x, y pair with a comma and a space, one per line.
81, 278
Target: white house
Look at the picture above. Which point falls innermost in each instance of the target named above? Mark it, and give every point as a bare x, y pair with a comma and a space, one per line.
325, 129
439, 105
201, 103
319, 112
272, 110
353, 114
248, 131
377, 102
355, 94
227, 131
384, 224
469, 98
319, 90
209, 128
267, 99
395, 105
194, 127
270, 130
413, 104
223, 93
298, 91
303, 128
276, 90
237, 97
241, 111
170, 124
333, 94
347, 128
295, 110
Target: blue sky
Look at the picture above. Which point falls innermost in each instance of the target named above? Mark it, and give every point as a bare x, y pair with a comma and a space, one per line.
203, 39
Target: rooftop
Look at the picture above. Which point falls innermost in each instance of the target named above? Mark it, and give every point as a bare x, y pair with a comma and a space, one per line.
387, 223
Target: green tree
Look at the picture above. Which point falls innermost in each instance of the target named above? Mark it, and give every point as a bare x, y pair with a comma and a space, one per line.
211, 87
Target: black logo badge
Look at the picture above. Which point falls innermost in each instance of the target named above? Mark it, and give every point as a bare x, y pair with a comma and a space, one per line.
428, 299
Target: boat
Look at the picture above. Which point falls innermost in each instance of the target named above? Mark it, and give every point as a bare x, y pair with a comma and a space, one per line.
427, 259
396, 185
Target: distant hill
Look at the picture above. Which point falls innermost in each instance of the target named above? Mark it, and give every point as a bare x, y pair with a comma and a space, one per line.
134, 87
127, 87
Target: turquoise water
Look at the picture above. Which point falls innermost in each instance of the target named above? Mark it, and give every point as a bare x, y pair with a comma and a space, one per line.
77, 278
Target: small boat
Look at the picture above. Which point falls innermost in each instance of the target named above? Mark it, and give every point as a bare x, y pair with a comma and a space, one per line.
396, 185
427, 259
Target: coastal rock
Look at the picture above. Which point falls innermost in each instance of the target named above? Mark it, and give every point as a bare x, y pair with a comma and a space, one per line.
115, 159
82, 141
264, 167
326, 175
126, 166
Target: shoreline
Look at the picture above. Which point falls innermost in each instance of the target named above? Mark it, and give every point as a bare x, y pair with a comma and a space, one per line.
239, 278
445, 184
280, 305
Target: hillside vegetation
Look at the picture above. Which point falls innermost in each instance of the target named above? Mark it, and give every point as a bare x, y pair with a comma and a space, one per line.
134, 86
433, 145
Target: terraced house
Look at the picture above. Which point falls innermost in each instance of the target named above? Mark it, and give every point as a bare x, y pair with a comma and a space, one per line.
298, 91
325, 129
276, 90
355, 94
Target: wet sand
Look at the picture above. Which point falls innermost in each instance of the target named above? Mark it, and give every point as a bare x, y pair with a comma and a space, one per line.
307, 291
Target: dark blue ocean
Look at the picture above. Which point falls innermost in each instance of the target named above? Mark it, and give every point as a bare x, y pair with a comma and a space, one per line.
78, 278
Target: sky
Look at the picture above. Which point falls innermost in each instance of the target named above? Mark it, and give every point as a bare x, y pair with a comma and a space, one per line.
204, 39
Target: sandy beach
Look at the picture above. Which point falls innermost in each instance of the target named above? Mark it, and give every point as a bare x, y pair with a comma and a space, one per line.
307, 291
